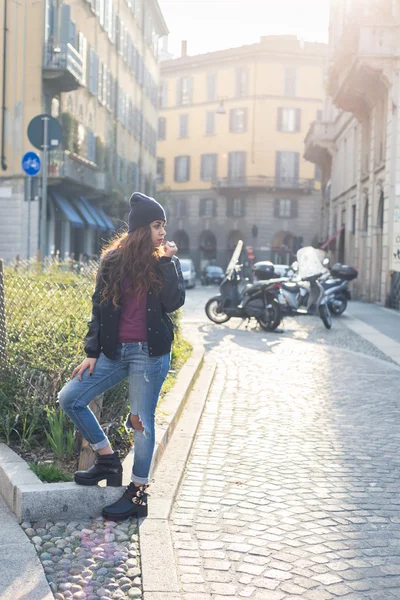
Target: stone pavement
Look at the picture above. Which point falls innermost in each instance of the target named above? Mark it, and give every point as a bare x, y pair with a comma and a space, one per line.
292, 487
385, 320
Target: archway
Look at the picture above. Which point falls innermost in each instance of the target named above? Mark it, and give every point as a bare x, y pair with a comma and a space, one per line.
283, 248
181, 239
208, 248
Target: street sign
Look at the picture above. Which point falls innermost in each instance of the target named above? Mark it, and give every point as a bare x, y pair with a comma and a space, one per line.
31, 163
36, 132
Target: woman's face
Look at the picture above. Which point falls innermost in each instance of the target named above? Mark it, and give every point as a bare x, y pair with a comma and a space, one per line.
157, 233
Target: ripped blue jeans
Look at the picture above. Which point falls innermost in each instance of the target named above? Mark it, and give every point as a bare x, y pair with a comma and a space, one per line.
146, 375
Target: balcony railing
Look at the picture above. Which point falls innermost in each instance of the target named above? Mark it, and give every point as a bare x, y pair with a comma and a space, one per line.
264, 182
62, 66
65, 165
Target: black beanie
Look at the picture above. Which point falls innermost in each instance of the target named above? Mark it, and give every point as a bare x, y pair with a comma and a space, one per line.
144, 210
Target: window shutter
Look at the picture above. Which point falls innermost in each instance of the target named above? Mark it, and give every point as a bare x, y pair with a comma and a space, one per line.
229, 207
242, 164
232, 120
190, 89
278, 167
230, 165
298, 119
65, 21
245, 118
214, 207
83, 53
293, 209
72, 33
176, 164
187, 168
214, 166
202, 166
279, 125
179, 92
296, 166
202, 210
276, 208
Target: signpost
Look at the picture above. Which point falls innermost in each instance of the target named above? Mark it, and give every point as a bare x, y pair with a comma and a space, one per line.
45, 133
31, 166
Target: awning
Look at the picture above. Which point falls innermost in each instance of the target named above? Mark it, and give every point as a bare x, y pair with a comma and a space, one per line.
333, 237
86, 214
106, 219
68, 210
97, 218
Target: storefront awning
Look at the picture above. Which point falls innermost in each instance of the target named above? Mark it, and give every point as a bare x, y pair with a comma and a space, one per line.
333, 237
67, 209
91, 209
86, 214
106, 219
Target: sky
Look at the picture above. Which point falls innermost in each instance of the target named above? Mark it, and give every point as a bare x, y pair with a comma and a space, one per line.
210, 25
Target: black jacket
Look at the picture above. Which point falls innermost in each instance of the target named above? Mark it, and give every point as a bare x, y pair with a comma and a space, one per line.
103, 326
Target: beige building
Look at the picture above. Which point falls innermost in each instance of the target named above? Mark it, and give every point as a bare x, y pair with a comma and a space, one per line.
231, 131
357, 145
93, 65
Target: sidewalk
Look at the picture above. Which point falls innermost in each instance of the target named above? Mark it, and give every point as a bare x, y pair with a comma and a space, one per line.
21, 574
378, 325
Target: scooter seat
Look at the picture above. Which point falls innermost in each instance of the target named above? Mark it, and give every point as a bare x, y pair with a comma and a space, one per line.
291, 286
330, 283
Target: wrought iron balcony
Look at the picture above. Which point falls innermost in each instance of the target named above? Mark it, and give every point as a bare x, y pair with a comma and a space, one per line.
319, 142
62, 67
263, 182
64, 165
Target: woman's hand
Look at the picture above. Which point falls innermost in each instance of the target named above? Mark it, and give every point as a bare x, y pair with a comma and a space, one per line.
170, 249
88, 363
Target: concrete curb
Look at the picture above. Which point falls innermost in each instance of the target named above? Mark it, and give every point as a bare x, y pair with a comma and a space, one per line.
30, 499
159, 573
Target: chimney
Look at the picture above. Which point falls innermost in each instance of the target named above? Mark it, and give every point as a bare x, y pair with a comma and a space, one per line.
184, 49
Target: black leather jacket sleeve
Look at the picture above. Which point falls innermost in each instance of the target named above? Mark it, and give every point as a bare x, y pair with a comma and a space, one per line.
92, 339
173, 293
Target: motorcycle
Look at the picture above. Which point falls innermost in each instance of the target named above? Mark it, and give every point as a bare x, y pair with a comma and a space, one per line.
244, 301
336, 285
306, 294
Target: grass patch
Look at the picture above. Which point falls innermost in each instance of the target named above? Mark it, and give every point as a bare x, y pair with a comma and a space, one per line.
50, 473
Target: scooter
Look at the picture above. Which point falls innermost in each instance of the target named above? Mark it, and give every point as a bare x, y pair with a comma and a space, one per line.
244, 301
306, 295
336, 286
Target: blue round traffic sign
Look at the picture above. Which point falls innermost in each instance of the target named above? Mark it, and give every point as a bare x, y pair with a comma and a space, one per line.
31, 163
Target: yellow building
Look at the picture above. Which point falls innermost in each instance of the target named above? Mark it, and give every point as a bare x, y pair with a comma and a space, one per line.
231, 132
93, 65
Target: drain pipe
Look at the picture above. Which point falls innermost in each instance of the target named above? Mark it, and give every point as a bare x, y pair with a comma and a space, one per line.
3, 108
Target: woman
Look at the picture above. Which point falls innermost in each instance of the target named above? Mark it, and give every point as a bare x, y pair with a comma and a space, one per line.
130, 336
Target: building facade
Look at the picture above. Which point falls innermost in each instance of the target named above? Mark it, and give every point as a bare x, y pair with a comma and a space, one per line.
230, 144
357, 146
94, 66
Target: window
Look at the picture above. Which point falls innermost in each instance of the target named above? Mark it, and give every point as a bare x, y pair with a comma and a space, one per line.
211, 87
160, 170
184, 91
210, 122
182, 168
242, 82
285, 208
183, 126
162, 128
208, 207
289, 86
289, 119
238, 120
287, 169
208, 167
163, 94
237, 166
353, 218
235, 207
180, 208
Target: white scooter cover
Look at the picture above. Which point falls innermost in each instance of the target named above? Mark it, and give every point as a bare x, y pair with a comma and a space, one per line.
309, 261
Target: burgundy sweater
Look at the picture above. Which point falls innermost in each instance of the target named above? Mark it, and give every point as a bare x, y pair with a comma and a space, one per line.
132, 322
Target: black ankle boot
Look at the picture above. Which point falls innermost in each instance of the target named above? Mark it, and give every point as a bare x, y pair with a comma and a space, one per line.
107, 466
132, 504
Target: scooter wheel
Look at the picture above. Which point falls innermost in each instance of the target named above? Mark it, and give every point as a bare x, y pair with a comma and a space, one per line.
325, 315
274, 317
338, 306
214, 313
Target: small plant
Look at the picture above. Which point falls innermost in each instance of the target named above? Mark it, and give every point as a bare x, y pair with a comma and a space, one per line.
50, 473
61, 435
28, 425
8, 424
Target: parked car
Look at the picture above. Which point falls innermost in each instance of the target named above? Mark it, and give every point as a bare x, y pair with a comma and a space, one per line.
188, 272
212, 274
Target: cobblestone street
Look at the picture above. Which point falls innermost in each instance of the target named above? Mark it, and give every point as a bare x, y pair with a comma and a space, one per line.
292, 487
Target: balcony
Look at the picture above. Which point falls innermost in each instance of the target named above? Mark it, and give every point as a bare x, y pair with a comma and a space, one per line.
361, 65
264, 183
66, 166
62, 67
320, 142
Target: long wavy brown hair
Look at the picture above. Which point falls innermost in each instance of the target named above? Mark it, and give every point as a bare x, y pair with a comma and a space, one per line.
130, 255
